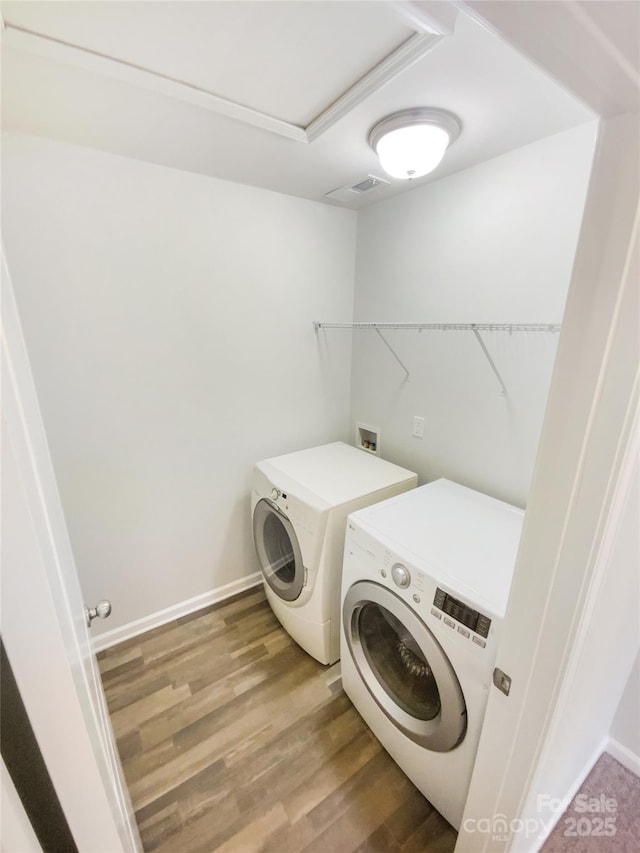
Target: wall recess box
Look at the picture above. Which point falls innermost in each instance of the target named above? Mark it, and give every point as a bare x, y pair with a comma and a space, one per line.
368, 438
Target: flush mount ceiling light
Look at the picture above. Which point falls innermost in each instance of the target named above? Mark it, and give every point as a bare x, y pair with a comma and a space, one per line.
411, 143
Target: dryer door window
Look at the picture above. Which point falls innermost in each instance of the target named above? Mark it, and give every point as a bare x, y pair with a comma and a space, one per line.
404, 667
278, 551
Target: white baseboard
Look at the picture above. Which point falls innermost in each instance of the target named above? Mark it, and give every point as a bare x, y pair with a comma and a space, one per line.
627, 758
183, 608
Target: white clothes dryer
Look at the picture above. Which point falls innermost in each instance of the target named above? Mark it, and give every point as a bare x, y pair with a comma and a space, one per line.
299, 504
425, 583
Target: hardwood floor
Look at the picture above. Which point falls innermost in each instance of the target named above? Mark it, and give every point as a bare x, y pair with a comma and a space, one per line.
234, 740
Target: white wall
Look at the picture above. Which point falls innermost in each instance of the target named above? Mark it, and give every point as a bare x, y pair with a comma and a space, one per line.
492, 244
168, 319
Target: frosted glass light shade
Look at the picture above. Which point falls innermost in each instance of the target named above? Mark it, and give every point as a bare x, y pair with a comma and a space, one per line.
413, 151
413, 142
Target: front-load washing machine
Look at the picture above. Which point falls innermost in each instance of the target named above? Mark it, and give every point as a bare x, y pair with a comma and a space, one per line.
425, 583
299, 503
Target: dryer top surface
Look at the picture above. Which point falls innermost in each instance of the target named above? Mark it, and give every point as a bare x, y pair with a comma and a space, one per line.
336, 473
464, 539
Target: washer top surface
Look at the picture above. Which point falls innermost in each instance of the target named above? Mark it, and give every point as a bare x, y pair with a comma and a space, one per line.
463, 538
336, 473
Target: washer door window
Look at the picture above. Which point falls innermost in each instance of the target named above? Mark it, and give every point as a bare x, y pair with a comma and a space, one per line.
404, 667
278, 550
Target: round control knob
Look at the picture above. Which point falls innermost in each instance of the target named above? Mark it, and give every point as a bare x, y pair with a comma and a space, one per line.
275, 494
401, 576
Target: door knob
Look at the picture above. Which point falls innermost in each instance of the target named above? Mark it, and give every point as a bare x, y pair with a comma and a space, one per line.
102, 610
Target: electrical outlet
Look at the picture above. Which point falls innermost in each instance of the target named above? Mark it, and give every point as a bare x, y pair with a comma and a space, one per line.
418, 427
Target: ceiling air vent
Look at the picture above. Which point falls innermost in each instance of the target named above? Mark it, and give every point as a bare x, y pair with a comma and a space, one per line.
348, 193
369, 183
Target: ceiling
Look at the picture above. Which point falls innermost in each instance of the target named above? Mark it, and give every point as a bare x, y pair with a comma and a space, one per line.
279, 95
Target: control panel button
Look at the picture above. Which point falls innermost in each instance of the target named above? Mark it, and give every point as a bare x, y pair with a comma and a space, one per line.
383, 572
416, 598
436, 613
484, 623
463, 631
275, 494
401, 576
438, 598
449, 622
479, 642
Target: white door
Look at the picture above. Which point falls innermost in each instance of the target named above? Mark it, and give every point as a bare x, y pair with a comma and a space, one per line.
43, 620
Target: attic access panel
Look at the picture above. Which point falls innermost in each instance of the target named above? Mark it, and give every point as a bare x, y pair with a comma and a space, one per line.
289, 61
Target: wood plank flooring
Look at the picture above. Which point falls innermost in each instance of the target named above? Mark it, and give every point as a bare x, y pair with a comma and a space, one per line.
234, 740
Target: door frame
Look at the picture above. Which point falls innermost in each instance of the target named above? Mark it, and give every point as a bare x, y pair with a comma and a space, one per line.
581, 474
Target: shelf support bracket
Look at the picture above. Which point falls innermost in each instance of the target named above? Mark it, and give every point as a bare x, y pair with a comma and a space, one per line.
484, 349
476, 328
393, 352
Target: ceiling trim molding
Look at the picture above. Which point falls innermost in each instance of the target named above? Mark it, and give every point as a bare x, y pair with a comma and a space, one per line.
403, 57
412, 50
436, 18
126, 72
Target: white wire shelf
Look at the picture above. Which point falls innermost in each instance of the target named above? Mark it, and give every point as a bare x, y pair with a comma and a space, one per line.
445, 327
476, 328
